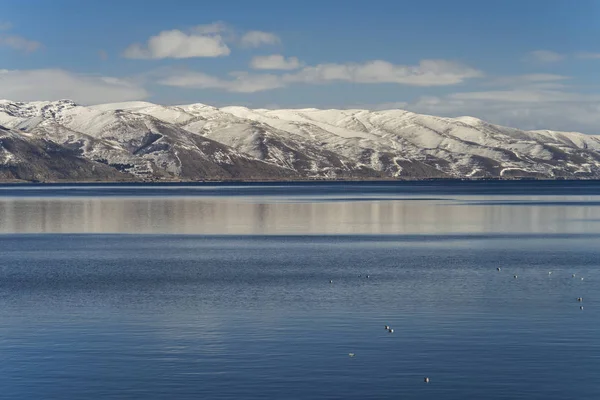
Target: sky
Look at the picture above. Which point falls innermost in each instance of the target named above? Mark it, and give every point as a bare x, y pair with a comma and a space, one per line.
529, 64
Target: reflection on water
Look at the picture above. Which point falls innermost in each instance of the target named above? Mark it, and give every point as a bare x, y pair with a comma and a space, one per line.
275, 317
271, 215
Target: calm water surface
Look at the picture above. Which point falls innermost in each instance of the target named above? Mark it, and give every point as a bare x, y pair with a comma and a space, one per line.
223, 292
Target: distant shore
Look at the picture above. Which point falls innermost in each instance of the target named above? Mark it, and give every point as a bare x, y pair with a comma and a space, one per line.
292, 182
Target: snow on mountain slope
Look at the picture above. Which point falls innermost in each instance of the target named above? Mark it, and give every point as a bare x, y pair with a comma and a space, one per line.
198, 141
304, 117
25, 157
263, 142
366, 149
460, 147
145, 146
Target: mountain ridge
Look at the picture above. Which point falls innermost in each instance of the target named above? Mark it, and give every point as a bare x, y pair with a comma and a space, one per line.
150, 142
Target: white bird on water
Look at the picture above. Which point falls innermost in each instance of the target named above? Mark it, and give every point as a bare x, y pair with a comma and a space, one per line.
426, 380
498, 269
390, 330
351, 354
387, 327
516, 276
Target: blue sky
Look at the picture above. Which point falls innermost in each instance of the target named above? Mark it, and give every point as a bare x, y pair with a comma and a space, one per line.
530, 64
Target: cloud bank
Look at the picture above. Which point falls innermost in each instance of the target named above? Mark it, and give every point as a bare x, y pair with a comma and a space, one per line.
426, 73
526, 102
545, 56
53, 84
259, 38
275, 62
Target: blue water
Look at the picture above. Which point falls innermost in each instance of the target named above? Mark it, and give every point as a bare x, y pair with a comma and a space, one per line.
109, 292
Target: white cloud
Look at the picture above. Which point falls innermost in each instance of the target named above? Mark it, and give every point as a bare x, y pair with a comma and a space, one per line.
222, 29
544, 56
54, 84
259, 38
529, 88
588, 56
533, 78
177, 44
208, 40
275, 61
19, 43
531, 81
532, 101
427, 73
525, 96
524, 109
15, 41
240, 82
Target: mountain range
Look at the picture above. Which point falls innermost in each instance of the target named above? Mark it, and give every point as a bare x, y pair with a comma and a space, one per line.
139, 141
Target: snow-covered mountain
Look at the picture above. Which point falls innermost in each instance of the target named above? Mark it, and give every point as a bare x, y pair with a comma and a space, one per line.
141, 140
25, 157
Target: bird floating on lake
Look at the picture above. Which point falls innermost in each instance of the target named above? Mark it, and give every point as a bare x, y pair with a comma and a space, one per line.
387, 327
516, 276
330, 281
581, 307
367, 276
580, 299
390, 330
498, 269
549, 272
573, 275
426, 380
351, 354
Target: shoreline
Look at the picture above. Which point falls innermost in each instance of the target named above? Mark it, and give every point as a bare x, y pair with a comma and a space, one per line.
291, 182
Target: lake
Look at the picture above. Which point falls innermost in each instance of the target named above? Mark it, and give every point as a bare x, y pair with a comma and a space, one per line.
256, 291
